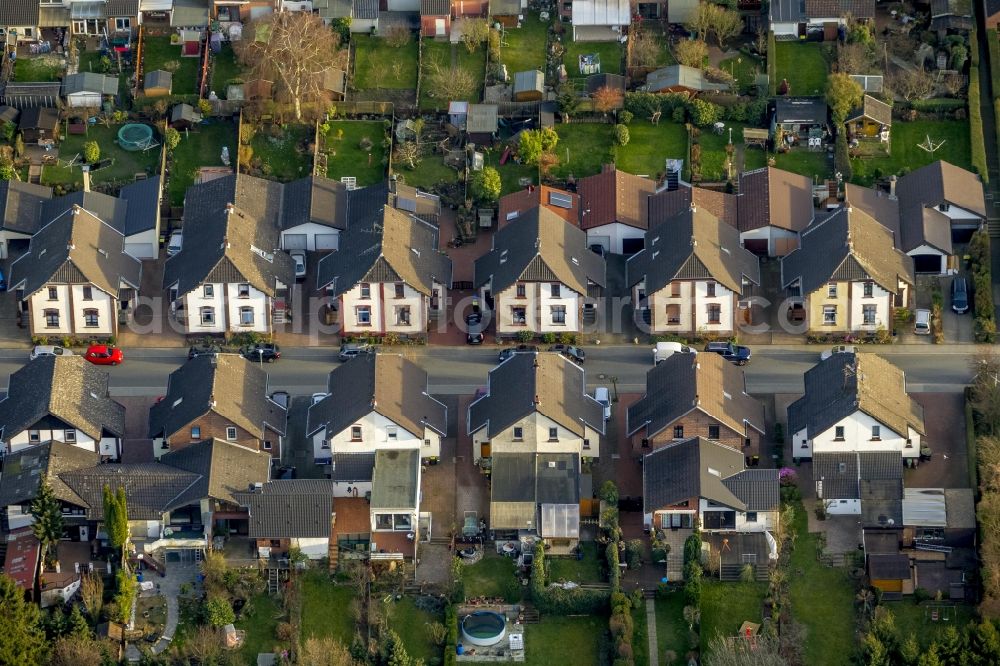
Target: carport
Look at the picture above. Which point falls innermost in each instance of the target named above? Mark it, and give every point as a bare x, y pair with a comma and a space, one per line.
930, 263
632, 245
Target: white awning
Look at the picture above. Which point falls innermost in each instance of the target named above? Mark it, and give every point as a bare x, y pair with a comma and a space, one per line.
156, 5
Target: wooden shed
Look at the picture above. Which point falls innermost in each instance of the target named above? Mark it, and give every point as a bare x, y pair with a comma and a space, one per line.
889, 571
39, 125
529, 86
158, 83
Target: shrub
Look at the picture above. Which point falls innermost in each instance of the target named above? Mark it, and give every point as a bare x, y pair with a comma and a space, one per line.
219, 612
633, 553
614, 565
976, 125
171, 138
841, 156
625, 117
91, 151
549, 338
621, 135
609, 493
284, 631
525, 336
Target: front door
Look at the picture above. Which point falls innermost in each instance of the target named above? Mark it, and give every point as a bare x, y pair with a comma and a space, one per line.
439, 28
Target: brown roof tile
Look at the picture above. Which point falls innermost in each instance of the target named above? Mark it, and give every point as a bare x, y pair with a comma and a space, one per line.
615, 196
517, 203
773, 197
664, 205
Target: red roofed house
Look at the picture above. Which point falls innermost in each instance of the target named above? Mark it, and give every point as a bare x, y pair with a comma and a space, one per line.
564, 204
614, 209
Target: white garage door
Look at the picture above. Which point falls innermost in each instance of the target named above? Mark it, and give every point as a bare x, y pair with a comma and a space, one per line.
295, 242
327, 241
140, 250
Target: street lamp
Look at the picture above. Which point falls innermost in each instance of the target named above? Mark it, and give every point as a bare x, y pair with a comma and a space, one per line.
614, 384
260, 356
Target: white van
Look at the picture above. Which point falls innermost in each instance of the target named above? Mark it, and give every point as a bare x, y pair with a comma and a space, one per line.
922, 322
602, 396
664, 350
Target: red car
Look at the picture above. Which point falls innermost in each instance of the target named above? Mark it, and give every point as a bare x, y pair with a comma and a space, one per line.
104, 355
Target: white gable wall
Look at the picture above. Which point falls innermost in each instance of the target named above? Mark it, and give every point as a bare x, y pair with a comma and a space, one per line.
857, 437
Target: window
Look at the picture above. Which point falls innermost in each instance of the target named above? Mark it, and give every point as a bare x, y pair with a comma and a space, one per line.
356, 433
267, 445
675, 289
208, 291
326, 444
207, 316
88, 293
518, 433
366, 290
390, 432
363, 315
838, 433
678, 432
403, 315
829, 315
246, 316
751, 516
243, 291
673, 314
90, 318
123, 24
714, 313
230, 433
519, 291
399, 290
710, 290
70, 435
555, 290
383, 521
831, 290
195, 432
876, 432
517, 316
558, 314
52, 318
713, 432
553, 434
869, 287
586, 444
34, 436
53, 294
868, 313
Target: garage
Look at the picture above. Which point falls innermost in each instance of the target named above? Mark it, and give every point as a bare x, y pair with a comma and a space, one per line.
962, 233
632, 245
295, 242
927, 263
140, 250
327, 241
756, 245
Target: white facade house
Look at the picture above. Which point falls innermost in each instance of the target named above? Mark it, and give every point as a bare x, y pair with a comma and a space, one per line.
614, 207
315, 211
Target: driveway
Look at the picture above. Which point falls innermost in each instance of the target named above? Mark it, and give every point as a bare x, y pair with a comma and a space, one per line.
944, 420
296, 447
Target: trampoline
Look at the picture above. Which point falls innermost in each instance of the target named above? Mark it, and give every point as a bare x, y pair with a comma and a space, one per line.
135, 136
484, 628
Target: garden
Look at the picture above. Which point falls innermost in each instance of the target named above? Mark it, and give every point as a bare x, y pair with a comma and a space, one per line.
651, 145
319, 596
564, 640
727, 605
610, 54
225, 70
277, 152
355, 148
950, 136
803, 65
159, 53
39, 68
449, 67
116, 164
523, 49
582, 149
200, 147
383, 63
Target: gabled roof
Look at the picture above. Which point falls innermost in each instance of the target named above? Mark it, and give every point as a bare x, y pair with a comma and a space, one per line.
482, 119
24, 469
532, 79
150, 488
289, 509
682, 76
800, 110
614, 196
387, 246
774, 197
561, 202
76, 247
859, 9
541, 382
36, 117
89, 82
328, 202
685, 382
539, 245
19, 13
847, 246
226, 384
396, 480
21, 205
231, 235
701, 468
224, 469
601, 12
873, 109
352, 467
387, 384
142, 205
665, 204
65, 387
693, 244
844, 383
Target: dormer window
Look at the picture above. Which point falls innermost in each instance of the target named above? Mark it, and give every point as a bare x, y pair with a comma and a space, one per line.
244, 291
944, 206
208, 291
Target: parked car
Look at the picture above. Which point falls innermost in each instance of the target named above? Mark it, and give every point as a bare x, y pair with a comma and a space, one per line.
48, 350
318, 397
922, 322
203, 350
839, 349
281, 397
507, 352
350, 350
104, 355
960, 295
175, 244
571, 352
266, 352
738, 354
474, 328
602, 396
299, 256
664, 350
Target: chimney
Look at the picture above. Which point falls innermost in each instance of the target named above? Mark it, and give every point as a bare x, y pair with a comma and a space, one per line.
694, 206
86, 178
76, 209
537, 400
374, 403
892, 187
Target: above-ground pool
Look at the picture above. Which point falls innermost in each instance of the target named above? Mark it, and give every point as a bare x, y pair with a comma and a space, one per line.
484, 628
135, 136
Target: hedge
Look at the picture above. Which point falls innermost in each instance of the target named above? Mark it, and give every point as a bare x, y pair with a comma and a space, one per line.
974, 48
451, 642
976, 126
842, 156
982, 281
772, 64
939, 104
994, 51
578, 601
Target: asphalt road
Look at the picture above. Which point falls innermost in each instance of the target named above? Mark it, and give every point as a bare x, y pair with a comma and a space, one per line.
457, 370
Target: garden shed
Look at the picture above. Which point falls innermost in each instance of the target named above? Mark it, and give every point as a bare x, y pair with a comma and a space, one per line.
529, 86
88, 89
183, 116
39, 125
158, 83
481, 124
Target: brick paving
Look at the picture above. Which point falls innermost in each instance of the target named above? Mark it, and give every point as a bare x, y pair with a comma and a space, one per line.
472, 491
439, 481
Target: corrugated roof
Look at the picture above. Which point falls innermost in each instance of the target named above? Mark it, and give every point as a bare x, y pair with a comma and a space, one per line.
19, 13
682, 76
482, 119
858, 9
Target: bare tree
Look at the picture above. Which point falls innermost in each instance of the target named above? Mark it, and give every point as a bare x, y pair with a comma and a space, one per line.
731, 651
645, 50
726, 24
475, 31
607, 99
325, 651
760, 41
292, 49
408, 153
449, 83
92, 595
691, 52
701, 24
952, 83
398, 36
855, 58
911, 84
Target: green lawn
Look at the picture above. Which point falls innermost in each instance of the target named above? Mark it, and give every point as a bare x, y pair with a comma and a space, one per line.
912, 618
259, 623
90, 61
830, 624
489, 577
671, 630
411, 624
587, 570
754, 158
745, 69
284, 154
650, 145
326, 608
640, 636
725, 606
378, 65
564, 640
713, 152
440, 53
906, 153
198, 148
806, 162
159, 53
225, 69
524, 47
429, 172
582, 149
610, 52
803, 65
41, 68
124, 168
511, 173
345, 156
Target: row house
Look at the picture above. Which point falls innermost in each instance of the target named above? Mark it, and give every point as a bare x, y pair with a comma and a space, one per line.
563, 203
692, 275
27, 20
539, 275
220, 396
285, 514
388, 275
61, 399
230, 275
849, 274
315, 211
614, 210
797, 18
